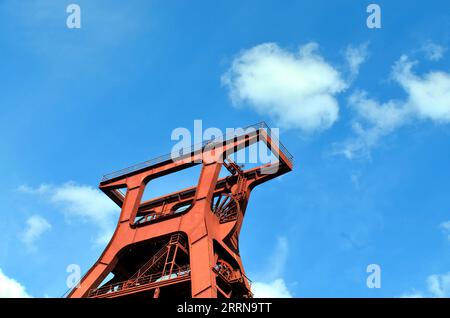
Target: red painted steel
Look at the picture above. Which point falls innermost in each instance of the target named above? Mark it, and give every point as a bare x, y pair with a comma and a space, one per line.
183, 243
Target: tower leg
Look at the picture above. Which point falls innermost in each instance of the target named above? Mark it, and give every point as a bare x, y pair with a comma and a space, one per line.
94, 277
201, 247
202, 262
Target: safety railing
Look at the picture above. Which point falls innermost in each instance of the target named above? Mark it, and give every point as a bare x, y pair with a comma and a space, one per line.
199, 147
156, 279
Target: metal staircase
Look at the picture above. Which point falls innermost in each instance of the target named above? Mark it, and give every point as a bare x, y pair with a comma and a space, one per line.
160, 268
164, 258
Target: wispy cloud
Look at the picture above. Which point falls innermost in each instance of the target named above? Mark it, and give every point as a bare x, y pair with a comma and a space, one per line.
36, 225
445, 226
413, 294
355, 56
373, 121
81, 202
433, 51
10, 288
297, 89
428, 98
278, 261
43, 188
438, 286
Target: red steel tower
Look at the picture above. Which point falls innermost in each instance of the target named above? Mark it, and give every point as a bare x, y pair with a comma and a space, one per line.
184, 243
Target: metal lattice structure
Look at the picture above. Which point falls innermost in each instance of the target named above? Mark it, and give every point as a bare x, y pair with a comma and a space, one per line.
185, 243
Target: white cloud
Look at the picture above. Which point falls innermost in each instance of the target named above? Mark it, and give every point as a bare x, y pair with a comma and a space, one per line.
272, 285
274, 289
433, 51
84, 203
278, 261
10, 288
428, 95
36, 225
373, 121
446, 228
297, 89
355, 56
428, 98
438, 286
43, 188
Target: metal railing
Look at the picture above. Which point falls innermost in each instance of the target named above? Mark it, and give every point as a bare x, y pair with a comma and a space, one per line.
155, 279
198, 147
232, 277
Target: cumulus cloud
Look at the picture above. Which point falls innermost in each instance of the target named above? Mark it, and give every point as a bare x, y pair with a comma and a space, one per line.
272, 285
81, 202
297, 89
433, 51
274, 289
438, 286
427, 98
10, 288
36, 225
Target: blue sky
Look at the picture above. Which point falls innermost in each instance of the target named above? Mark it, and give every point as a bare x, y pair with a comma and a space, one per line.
365, 112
